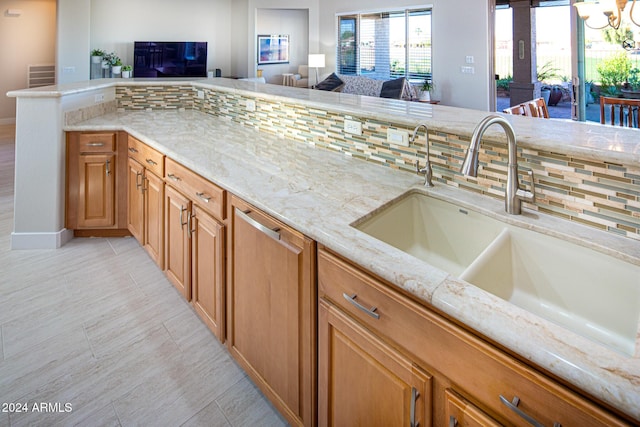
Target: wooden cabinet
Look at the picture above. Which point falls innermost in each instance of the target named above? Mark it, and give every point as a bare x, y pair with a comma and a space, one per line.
472, 378
271, 307
94, 172
364, 381
195, 243
145, 215
460, 413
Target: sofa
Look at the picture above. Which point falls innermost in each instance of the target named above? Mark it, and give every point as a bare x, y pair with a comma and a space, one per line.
361, 85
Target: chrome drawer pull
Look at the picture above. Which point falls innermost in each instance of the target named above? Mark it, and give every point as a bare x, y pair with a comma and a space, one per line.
370, 311
108, 171
274, 234
173, 177
452, 421
182, 223
133, 150
513, 405
202, 196
151, 162
414, 401
95, 144
138, 181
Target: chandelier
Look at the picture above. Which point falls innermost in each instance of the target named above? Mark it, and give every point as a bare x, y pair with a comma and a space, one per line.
610, 9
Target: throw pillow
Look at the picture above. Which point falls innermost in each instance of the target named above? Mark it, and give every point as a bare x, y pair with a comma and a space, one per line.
393, 88
331, 83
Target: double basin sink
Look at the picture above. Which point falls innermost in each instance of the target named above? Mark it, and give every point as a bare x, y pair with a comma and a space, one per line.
588, 292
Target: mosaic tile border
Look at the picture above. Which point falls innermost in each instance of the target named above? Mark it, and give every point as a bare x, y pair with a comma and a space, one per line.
598, 194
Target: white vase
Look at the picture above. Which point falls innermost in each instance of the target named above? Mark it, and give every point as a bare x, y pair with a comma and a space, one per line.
425, 96
96, 59
116, 69
126, 74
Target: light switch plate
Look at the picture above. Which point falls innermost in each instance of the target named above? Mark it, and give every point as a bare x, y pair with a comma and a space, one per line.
200, 94
353, 127
398, 137
251, 105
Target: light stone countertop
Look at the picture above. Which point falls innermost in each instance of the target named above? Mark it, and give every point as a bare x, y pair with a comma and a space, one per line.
321, 193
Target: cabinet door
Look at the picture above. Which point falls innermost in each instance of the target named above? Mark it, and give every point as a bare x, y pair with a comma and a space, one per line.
97, 190
271, 310
207, 287
135, 211
365, 382
460, 413
153, 190
177, 249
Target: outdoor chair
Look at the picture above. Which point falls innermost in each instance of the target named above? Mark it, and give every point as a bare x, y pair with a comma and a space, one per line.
625, 109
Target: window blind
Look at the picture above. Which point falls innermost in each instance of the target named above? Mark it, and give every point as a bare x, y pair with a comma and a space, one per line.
385, 45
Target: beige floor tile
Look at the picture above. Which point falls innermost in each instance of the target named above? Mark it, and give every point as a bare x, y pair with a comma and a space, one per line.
244, 406
104, 417
32, 369
210, 416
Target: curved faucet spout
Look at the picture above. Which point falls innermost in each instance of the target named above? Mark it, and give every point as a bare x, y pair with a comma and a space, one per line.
427, 170
514, 194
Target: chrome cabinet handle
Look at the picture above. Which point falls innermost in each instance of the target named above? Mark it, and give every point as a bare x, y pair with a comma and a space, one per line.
108, 172
202, 196
189, 230
182, 223
173, 177
145, 187
151, 162
95, 144
370, 311
513, 405
414, 400
132, 150
452, 421
138, 182
274, 234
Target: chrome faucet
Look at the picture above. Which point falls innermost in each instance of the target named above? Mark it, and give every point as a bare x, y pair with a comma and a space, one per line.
514, 194
426, 170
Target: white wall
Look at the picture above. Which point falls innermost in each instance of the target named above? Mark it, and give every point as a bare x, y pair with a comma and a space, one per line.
295, 23
116, 24
460, 28
28, 39
73, 40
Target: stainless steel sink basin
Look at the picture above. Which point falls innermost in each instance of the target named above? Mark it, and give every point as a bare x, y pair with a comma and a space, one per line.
590, 293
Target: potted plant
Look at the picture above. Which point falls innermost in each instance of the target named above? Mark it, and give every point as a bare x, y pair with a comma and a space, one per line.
115, 62
126, 71
425, 90
631, 88
97, 55
545, 73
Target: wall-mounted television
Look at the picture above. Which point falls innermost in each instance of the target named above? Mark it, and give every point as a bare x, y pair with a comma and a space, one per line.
170, 59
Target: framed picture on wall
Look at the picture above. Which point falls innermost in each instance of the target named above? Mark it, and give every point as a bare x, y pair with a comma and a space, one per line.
273, 49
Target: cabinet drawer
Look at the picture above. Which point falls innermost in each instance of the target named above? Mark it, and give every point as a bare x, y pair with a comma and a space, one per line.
483, 374
97, 142
204, 193
148, 157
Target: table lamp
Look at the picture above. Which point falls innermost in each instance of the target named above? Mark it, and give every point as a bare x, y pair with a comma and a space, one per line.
316, 60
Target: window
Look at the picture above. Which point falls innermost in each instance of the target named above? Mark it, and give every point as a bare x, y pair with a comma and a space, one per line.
385, 45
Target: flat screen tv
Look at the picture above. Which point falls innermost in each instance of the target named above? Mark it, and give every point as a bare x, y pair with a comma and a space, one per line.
170, 59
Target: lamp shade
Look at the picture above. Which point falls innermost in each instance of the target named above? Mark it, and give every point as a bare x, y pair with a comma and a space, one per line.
316, 60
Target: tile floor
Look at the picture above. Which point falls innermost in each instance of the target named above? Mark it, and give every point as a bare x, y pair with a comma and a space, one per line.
96, 325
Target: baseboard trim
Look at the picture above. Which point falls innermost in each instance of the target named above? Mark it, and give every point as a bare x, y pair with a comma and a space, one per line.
40, 240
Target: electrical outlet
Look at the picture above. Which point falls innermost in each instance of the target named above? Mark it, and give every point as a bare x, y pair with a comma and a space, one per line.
200, 94
467, 70
98, 98
398, 137
251, 105
469, 59
353, 127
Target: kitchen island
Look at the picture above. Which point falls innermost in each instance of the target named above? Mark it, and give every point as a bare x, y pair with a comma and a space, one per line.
321, 193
